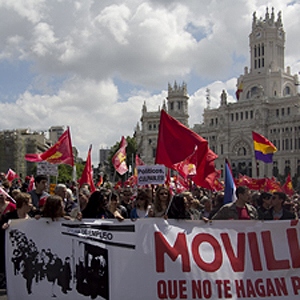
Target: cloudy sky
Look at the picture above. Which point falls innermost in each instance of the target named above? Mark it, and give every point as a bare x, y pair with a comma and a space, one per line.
91, 64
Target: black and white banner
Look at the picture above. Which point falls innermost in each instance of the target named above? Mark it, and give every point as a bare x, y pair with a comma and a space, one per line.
153, 259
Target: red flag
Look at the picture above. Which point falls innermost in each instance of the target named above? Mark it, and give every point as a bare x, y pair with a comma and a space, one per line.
119, 159
11, 175
176, 143
209, 174
31, 185
131, 181
138, 162
99, 183
288, 186
87, 174
60, 153
218, 185
181, 184
168, 178
118, 185
187, 167
272, 186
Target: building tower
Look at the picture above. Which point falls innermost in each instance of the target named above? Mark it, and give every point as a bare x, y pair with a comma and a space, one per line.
147, 131
267, 103
267, 72
178, 102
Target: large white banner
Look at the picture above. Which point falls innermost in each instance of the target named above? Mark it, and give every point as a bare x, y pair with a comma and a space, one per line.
153, 259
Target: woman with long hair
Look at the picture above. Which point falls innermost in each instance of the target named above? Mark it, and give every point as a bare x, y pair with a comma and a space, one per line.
179, 208
161, 202
142, 207
117, 211
97, 206
54, 208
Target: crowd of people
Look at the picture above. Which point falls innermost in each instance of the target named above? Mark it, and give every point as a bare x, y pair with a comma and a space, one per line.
71, 202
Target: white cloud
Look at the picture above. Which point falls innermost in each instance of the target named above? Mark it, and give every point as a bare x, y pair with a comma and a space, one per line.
86, 56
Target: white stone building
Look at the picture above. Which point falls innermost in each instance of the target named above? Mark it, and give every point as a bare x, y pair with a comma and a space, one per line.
268, 103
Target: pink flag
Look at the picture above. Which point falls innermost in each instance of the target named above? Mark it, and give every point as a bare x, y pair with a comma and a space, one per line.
11, 175
31, 185
87, 174
2, 191
119, 159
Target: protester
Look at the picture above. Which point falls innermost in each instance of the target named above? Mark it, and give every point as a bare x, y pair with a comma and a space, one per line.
191, 205
142, 206
161, 202
125, 199
25, 184
217, 203
6, 185
179, 208
14, 193
277, 211
97, 206
23, 206
207, 207
118, 211
5, 205
238, 210
83, 195
2, 177
69, 204
264, 204
39, 193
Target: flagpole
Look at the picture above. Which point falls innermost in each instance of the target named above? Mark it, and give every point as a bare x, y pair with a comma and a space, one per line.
257, 171
74, 178
114, 177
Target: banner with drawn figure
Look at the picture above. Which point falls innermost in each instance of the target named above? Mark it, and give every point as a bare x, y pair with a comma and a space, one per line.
153, 259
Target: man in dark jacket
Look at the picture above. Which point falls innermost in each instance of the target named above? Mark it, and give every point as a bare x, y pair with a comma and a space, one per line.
277, 211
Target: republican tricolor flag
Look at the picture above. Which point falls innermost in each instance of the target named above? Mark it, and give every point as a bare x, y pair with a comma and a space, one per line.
263, 148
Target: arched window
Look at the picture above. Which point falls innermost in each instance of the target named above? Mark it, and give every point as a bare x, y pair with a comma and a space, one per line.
242, 151
287, 91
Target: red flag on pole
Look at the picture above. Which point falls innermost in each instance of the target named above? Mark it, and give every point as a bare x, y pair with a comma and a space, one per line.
100, 182
187, 167
87, 174
31, 185
119, 159
60, 153
138, 162
11, 175
176, 143
288, 186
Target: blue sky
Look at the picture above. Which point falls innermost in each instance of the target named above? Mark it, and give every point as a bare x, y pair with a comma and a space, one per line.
91, 64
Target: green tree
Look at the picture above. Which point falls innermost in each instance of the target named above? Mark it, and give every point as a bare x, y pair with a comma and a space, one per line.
65, 172
130, 157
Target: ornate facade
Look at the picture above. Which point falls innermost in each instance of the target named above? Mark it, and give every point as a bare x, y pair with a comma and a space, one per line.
146, 134
268, 102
